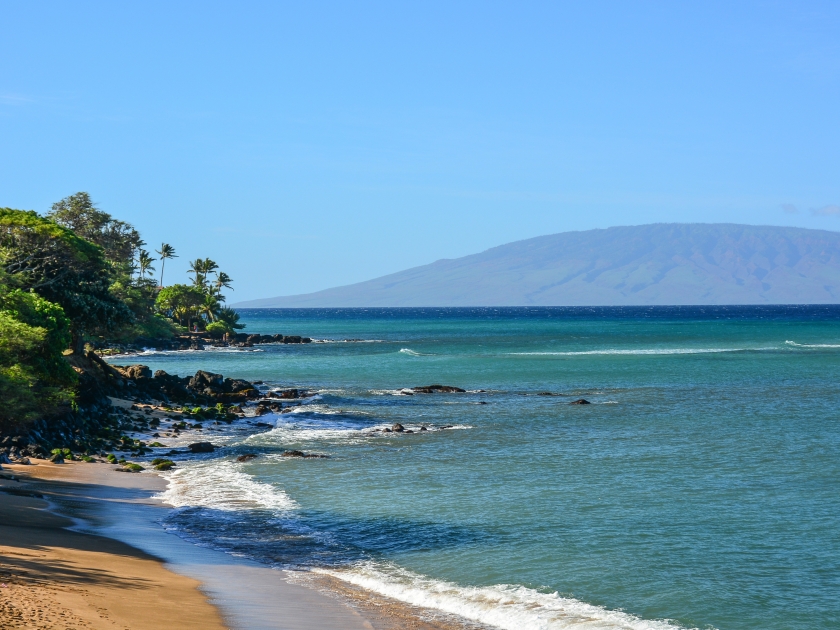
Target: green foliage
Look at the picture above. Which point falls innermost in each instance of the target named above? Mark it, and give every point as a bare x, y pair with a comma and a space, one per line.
218, 329
180, 302
230, 317
62, 268
118, 239
34, 378
38, 314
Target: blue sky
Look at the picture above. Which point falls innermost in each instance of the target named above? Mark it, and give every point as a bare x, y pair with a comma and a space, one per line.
308, 145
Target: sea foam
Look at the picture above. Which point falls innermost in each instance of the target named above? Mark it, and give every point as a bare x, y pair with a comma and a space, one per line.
509, 607
222, 486
812, 345
643, 351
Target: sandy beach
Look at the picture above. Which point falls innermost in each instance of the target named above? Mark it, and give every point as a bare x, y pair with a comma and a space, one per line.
82, 547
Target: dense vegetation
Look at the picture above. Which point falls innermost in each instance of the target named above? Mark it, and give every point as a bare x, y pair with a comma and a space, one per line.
78, 276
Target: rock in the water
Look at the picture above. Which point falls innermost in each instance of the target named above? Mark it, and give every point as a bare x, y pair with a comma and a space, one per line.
441, 389
423, 429
398, 428
201, 447
301, 454
246, 457
580, 401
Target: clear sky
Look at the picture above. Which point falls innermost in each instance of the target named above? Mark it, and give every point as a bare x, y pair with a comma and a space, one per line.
309, 144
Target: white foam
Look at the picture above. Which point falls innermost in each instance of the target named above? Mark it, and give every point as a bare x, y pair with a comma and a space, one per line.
412, 353
643, 351
222, 486
812, 345
504, 606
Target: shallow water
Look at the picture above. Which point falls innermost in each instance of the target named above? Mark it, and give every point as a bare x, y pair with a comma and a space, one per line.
699, 489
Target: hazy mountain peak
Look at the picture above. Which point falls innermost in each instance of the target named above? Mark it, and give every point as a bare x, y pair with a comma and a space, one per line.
662, 263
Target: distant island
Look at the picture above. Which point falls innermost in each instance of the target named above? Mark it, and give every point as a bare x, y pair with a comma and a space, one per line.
658, 264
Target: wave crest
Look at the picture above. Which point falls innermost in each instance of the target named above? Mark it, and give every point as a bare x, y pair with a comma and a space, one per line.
509, 607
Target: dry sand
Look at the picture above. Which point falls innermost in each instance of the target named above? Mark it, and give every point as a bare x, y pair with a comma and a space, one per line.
56, 578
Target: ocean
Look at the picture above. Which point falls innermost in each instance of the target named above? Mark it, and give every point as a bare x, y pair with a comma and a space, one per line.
699, 489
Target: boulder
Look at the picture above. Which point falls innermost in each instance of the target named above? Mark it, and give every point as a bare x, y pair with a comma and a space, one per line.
202, 447
292, 339
134, 372
442, 389
246, 457
398, 428
580, 401
289, 393
57, 458
203, 380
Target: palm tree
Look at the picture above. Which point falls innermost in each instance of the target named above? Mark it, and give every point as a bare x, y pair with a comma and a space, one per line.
222, 280
210, 307
230, 317
197, 267
165, 251
144, 262
201, 268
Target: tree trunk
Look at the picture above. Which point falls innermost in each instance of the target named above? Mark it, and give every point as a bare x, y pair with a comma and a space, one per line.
77, 344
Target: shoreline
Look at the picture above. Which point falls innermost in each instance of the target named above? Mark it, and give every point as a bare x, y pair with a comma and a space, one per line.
237, 592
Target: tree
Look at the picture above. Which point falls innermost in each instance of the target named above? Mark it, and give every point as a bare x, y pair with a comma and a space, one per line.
63, 268
210, 307
230, 317
222, 280
144, 262
165, 251
34, 377
202, 267
180, 301
118, 239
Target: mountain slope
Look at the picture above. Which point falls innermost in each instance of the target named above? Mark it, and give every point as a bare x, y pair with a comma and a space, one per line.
647, 264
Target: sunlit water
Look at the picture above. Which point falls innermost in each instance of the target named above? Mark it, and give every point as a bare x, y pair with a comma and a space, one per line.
701, 488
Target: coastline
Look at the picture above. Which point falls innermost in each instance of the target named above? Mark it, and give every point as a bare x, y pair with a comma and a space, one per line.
199, 587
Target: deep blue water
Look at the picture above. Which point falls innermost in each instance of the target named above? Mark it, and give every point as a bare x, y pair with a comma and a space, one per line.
701, 488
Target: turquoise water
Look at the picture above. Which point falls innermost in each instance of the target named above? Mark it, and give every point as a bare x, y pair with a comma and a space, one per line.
701, 488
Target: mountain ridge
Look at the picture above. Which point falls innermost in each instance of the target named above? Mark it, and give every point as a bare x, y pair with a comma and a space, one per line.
660, 263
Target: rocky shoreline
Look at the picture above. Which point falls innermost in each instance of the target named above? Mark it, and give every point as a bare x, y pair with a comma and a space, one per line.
116, 400
197, 341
